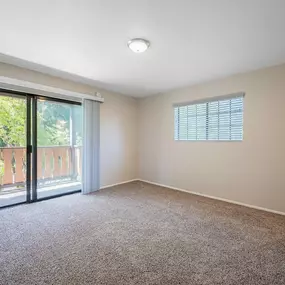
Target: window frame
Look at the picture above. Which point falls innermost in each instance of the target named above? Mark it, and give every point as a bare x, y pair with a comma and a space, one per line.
209, 100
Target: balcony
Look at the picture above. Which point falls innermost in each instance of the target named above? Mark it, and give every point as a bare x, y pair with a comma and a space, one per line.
58, 170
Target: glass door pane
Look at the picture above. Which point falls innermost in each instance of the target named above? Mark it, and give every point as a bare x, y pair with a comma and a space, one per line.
59, 148
13, 158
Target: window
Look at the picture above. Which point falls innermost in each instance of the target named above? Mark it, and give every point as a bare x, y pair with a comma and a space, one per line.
213, 120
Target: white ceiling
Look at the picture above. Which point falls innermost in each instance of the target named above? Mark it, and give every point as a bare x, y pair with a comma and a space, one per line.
192, 41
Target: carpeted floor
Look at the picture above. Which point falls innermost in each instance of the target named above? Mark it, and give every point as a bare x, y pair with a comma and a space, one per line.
138, 233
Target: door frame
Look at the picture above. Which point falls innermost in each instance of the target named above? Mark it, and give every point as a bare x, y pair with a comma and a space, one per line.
31, 145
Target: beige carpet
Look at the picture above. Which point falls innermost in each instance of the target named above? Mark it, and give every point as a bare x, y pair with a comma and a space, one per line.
140, 234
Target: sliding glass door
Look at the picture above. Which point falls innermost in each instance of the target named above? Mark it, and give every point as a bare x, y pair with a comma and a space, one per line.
13, 155
40, 148
59, 145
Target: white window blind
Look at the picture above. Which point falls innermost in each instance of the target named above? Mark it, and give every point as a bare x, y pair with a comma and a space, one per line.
214, 120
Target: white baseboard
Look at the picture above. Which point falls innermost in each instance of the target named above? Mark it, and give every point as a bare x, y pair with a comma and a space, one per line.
216, 198
116, 184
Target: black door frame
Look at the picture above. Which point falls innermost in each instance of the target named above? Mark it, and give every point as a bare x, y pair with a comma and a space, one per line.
34, 150
31, 145
29, 149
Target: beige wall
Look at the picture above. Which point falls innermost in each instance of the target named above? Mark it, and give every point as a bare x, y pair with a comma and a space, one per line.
251, 172
118, 120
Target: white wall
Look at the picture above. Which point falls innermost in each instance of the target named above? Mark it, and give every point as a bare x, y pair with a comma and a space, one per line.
118, 119
251, 171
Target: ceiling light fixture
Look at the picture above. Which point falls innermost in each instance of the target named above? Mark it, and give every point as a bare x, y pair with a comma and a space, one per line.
138, 45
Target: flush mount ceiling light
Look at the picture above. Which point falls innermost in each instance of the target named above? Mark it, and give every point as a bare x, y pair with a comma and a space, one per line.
138, 45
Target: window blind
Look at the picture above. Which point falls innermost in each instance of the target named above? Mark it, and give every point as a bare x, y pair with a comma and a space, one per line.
213, 120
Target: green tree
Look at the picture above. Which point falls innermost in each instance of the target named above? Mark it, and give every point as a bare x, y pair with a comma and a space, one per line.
12, 121
53, 122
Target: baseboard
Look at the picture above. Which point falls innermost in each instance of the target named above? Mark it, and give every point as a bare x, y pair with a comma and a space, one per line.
116, 184
215, 198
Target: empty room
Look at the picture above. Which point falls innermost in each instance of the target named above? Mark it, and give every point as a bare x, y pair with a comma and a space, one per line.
142, 142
